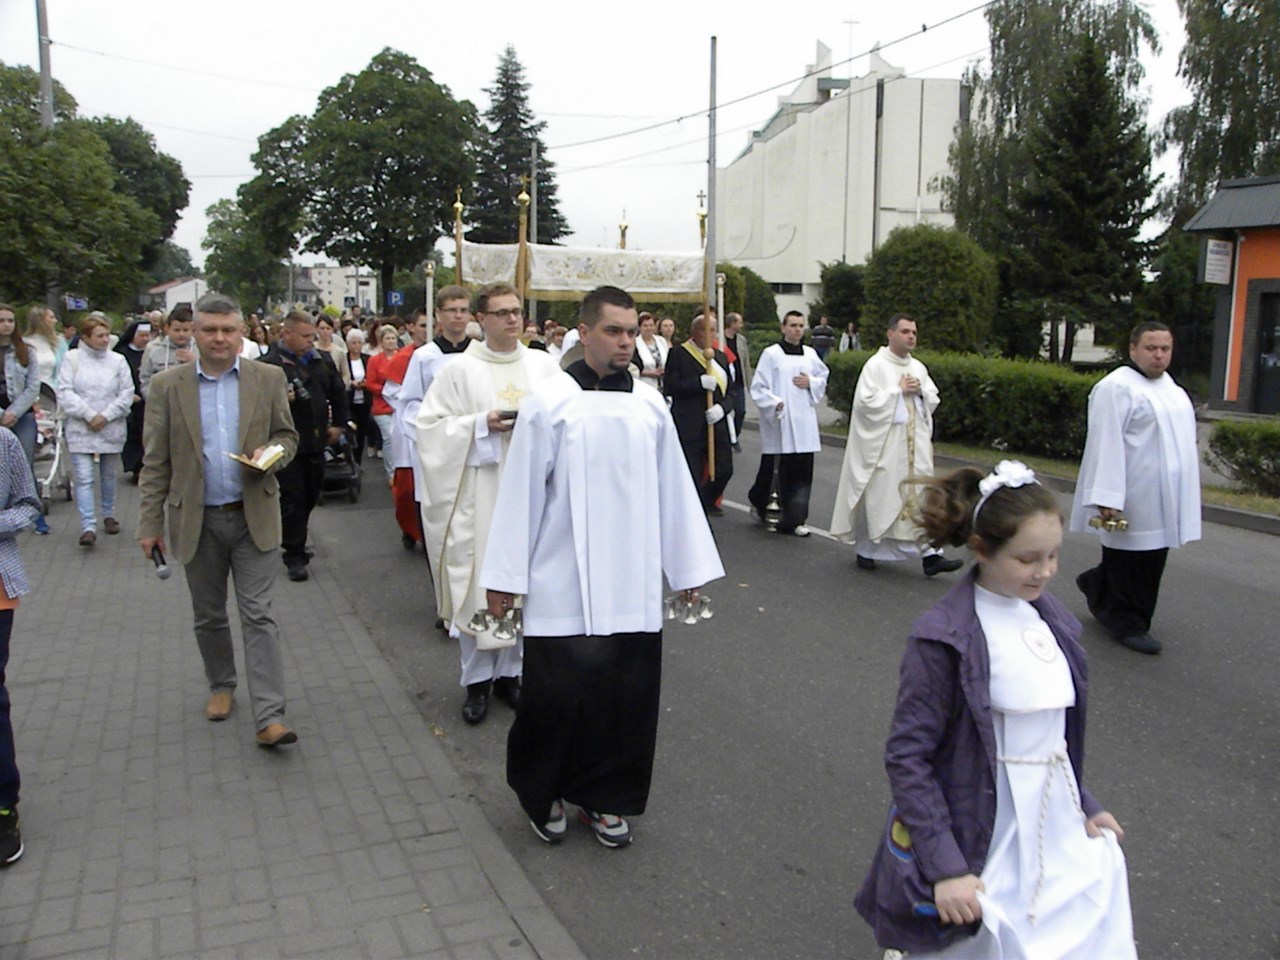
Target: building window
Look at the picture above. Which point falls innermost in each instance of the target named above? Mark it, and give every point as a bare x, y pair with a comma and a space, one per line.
787, 287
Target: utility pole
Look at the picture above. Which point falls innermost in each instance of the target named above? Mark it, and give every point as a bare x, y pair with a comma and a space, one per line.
709, 274
46, 71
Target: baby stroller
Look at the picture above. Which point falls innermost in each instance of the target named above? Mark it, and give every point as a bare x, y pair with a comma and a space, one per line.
341, 471
52, 462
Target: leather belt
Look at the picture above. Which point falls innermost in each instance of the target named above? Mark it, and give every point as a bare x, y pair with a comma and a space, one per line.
233, 505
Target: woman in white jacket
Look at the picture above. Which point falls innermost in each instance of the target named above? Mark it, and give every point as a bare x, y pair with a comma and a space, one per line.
95, 391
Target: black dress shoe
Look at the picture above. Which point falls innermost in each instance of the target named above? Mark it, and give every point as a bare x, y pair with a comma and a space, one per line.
508, 689
477, 706
298, 572
407, 541
714, 511
1142, 643
865, 563
936, 563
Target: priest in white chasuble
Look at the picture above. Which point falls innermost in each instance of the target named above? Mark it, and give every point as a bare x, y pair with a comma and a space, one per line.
789, 383
464, 432
1140, 464
596, 505
890, 445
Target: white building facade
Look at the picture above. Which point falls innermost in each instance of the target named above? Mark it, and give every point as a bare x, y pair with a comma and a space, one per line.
839, 165
337, 284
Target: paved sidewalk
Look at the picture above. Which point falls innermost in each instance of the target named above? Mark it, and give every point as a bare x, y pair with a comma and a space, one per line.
151, 832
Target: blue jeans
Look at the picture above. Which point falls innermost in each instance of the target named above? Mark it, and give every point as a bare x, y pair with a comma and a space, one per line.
86, 474
9, 779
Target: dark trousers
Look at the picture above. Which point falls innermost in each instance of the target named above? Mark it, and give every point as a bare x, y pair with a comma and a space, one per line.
587, 727
9, 779
739, 411
695, 453
364, 422
299, 493
795, 482
131, 456
1122, 590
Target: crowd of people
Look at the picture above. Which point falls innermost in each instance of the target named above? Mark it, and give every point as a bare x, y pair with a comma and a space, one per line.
487, 422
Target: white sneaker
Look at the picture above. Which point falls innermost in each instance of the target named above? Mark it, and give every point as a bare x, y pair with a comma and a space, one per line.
556, 827
801, 531
610, 829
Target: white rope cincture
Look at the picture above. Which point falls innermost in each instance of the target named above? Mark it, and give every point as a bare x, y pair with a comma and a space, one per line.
1055, 761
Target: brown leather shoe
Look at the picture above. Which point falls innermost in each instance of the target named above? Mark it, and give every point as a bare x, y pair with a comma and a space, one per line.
219, 705
88, 538
111, 525
276, 735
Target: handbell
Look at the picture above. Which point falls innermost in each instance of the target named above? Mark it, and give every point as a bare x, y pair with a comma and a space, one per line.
690, 613
704, 608
1114, 525
507, 628
669, 608
480, 621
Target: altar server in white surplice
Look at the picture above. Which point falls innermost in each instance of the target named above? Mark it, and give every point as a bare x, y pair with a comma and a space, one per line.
789, 383
596, 505
453, 313
890, 451
1140, 459
464, 432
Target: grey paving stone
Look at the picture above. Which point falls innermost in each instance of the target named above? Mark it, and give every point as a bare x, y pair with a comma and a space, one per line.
152, 832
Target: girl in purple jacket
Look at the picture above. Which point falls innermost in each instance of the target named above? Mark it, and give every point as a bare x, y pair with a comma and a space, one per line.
993, 848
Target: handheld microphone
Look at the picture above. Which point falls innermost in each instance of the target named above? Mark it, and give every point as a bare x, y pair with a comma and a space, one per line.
157, 557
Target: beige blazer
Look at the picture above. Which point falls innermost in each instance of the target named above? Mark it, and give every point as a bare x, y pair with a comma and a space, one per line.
172, 473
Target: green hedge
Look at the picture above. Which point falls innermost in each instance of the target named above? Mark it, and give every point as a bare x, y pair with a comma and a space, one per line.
1016, 405
1249, 452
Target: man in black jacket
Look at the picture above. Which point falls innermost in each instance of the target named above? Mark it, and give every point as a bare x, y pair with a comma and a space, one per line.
688, 377
318, 402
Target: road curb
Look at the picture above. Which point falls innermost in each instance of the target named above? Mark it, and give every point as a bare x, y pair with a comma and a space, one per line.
1212, 513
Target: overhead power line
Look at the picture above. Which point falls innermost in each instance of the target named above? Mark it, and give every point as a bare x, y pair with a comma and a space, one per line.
924, 28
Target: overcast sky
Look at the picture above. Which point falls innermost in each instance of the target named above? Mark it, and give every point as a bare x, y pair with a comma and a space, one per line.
207, 79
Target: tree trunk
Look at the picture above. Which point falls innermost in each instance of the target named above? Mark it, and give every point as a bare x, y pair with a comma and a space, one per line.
1053, 338
1069, 342
388, 271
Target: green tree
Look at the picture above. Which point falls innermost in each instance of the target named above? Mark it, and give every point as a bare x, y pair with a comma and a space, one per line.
941, 277
758, 301
503, 154
154, 179
171, 262
1231, 127
369, 178
240, 262
70, 225
1174, 296
1031, 42
842, 294
1075, 220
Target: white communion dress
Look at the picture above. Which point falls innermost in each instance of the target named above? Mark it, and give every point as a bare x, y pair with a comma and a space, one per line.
1052, 891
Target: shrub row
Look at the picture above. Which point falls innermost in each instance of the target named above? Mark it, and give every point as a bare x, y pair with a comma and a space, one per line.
1248, 452
1016, 405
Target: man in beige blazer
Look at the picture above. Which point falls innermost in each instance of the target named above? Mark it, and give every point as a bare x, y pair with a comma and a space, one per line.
224, 517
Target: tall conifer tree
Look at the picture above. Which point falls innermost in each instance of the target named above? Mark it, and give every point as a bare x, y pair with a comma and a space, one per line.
503, 156
1075, 220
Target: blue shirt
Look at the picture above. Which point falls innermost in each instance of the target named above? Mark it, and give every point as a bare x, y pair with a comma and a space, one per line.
220, 433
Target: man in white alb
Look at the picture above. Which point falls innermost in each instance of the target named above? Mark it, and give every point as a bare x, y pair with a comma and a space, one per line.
1140, 462
464, 431
453, 313
789, 383
596, 504
890, 445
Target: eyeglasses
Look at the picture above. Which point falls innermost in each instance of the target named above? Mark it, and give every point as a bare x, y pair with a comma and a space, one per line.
511, 313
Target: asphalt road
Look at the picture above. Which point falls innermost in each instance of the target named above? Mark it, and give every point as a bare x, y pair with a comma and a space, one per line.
769, 792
